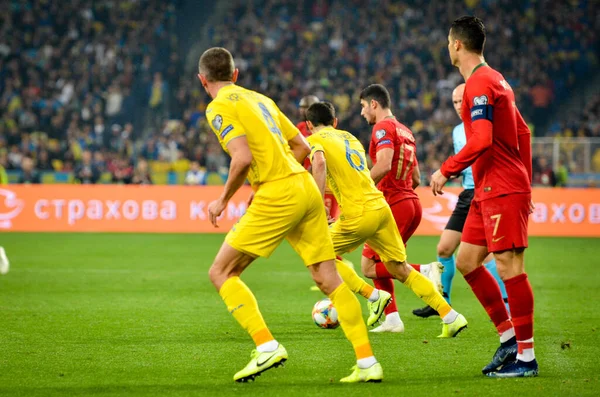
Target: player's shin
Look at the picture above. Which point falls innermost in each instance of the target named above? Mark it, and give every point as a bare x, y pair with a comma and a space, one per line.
488, 293
520, 299
447, 275
353, 280
242, 304
491, 266
424, 289
349, 313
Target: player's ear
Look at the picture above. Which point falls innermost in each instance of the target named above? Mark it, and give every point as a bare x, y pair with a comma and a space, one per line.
234, 77
202, 79
310, 125
374, 104
335, 122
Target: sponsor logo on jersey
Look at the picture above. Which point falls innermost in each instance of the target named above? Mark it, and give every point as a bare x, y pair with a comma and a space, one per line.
477, 112
480, 100
217, 122
379, 134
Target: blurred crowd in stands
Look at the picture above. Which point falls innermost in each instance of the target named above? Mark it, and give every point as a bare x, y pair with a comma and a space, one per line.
98, 89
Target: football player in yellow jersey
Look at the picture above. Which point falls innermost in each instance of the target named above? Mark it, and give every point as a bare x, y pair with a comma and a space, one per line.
338, 160
266, 148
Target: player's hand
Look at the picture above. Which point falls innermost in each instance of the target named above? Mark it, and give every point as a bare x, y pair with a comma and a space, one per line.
214, 210
438, 180
330, 220
531, 206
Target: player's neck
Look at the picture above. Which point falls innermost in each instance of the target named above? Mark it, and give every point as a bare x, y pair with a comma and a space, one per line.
383, 114
214, 88
468, 65
320, 127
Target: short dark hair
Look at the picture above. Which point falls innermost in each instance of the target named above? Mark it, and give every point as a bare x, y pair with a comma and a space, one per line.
377, 92
321, 113
471, 31
216, 64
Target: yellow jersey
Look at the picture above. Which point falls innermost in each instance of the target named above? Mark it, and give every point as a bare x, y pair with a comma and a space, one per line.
237, 112
348, 176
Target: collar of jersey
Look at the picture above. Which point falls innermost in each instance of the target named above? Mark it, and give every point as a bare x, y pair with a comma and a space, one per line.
482, 64
225, 87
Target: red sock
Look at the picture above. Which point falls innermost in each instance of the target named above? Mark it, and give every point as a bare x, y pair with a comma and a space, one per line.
387, 284
520, 301
416, 267
486, 289
381, 271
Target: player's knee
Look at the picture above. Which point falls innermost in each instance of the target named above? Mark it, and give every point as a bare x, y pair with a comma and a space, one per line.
400, 270
367, 266
216, 276
465, 266
444, 250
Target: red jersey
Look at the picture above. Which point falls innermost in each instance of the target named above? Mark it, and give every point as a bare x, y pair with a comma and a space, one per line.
306, 133
303, 129
396, 185
498, 140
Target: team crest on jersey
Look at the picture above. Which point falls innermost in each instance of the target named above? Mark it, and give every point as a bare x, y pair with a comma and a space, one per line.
480, 100
234, 97
217, 122
379, 134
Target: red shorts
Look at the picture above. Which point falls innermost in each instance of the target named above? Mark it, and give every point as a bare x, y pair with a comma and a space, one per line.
499, 223
332, 205
407, 214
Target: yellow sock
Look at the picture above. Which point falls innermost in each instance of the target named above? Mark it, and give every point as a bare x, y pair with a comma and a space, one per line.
351, 320
242, 304
425, 290
353, 280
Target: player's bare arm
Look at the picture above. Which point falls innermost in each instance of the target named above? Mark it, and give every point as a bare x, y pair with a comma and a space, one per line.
299, 147
241, 160
383, 165
416, 177
319, 171
524, 136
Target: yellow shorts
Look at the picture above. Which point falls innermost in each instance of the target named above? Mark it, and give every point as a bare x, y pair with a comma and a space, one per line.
290, 208
376, 227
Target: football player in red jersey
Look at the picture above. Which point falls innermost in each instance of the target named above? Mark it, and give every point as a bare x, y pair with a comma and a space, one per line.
396, 172
499, 150
305, 103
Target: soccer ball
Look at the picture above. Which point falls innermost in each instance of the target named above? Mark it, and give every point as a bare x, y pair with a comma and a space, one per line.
325, 315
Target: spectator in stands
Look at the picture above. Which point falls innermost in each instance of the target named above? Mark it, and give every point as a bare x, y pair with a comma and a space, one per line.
141, 175
43, 161
28, 173
196, 175
86, 172
543, 174
121, 170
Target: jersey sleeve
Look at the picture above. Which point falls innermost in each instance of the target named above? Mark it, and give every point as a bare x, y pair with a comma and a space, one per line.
382, 137
224, 122
524, 136
480, 101
315, 145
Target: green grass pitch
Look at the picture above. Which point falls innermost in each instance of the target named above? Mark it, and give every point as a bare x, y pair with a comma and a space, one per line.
126, 315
